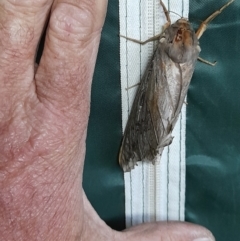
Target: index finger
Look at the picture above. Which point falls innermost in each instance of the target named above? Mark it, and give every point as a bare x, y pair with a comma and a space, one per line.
65, 71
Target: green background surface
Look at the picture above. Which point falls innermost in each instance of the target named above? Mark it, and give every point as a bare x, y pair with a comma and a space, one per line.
213, 123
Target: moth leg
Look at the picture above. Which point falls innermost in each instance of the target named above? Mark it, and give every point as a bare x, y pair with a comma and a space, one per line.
207, 62
168, 23
204, 24
132, 86
154, 38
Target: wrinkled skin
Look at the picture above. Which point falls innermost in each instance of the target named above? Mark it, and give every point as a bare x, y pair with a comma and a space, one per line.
43, 120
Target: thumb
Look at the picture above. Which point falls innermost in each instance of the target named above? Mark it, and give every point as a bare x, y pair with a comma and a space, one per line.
168, 231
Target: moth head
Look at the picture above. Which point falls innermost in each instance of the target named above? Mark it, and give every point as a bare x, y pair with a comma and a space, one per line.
180, 42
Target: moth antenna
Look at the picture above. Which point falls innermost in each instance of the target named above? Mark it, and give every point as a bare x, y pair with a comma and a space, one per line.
176, 14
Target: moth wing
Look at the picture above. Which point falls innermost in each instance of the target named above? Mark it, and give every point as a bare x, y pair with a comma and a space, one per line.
149, 122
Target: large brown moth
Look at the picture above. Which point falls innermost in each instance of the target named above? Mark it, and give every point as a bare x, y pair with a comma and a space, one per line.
162, 91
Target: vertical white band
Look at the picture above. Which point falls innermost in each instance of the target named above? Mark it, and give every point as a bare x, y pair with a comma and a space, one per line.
152, 192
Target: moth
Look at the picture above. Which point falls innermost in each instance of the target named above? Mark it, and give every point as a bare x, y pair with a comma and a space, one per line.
162, 91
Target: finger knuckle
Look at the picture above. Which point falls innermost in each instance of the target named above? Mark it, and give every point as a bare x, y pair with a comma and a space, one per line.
72, 23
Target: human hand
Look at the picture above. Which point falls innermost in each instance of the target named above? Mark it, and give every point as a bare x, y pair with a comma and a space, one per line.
43, 120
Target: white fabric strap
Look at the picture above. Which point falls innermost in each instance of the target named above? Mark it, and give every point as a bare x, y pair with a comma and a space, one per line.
152, 192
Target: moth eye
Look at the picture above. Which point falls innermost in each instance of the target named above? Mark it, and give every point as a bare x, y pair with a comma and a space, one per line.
198, 48
162, 40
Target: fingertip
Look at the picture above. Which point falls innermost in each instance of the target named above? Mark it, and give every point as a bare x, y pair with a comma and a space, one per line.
82, 18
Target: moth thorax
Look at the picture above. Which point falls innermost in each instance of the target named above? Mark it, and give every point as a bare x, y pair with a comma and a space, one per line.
183, 47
